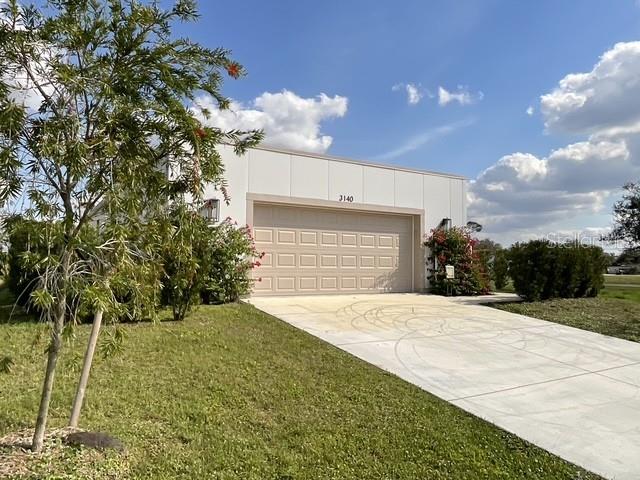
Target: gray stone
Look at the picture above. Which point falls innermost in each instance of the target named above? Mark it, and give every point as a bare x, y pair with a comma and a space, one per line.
97, 440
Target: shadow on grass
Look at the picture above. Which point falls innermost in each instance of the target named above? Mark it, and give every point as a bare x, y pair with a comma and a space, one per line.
10, 311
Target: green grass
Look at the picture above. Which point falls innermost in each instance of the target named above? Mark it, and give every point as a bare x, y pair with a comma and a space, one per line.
624, 293
232, 393
622, 279
609, 316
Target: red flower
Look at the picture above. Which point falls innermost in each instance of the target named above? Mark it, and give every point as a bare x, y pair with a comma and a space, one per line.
233, 69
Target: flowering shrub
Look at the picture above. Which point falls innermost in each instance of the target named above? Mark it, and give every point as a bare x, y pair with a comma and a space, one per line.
455, 247
202, 262
233, 255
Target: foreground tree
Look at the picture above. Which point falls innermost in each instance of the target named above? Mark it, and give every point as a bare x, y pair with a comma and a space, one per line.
95, 108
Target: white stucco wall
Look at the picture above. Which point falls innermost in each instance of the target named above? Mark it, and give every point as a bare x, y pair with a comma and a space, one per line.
288, 174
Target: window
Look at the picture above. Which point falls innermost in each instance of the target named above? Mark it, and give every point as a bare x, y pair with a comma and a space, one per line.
211, 210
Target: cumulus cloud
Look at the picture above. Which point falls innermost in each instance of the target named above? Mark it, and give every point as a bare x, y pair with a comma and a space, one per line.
602, 100
288, 120
414, 92
462, 96
524, 193
530, 110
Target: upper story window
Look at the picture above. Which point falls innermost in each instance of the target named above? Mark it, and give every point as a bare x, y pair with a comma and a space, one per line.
211, 210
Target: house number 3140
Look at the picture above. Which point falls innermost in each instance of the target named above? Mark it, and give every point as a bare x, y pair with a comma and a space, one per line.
346, 198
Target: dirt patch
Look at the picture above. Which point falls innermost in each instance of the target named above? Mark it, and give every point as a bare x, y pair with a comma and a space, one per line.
57, 459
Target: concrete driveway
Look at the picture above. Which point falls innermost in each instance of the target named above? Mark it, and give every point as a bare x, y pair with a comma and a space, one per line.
572, 392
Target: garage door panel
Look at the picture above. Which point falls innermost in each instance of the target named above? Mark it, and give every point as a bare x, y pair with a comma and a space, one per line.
330, 261
367, 241
328, 283
286, 284
309, 250
267, 259
262, 235
329, 239
308, 283
286, 259
308, 238
349, 261
349, 240
386, 262
367, 261
308, 260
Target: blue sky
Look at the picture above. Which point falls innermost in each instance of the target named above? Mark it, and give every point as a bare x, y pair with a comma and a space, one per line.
512, 51
504, 54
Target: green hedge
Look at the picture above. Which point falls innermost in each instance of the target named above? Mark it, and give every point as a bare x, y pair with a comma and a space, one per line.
541, 270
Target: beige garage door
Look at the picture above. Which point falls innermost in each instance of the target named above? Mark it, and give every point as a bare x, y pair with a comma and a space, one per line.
313, 250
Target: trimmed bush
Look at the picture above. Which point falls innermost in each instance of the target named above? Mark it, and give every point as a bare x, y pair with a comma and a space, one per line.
500, 271
541, 270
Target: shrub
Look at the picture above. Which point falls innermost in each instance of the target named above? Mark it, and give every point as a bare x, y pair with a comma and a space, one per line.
541, 270
233, 257
500, 271
185, 254
28, 249
204, 263
455, 247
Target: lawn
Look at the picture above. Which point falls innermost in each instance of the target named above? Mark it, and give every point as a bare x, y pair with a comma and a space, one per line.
234, 393
615, 312
622, 280
609, 316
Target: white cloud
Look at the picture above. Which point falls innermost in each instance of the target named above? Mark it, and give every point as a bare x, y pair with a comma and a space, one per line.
288, 120
423, 138
414, 92
522, 194
462, 96
530, 110
607, 97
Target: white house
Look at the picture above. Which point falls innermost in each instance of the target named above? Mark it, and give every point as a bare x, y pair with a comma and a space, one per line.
334, 225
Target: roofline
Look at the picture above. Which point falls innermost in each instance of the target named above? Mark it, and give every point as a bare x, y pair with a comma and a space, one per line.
356, 162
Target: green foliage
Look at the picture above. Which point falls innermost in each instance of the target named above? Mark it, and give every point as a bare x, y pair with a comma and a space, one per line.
541, 270
185, 254
115, 91
626, 216
629, 258
204, 263
228, 275
4, 264
29, 253
500, 271
455, 247
493, 256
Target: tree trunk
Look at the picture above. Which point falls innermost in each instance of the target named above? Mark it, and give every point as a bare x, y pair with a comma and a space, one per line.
47, 388
86, 369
